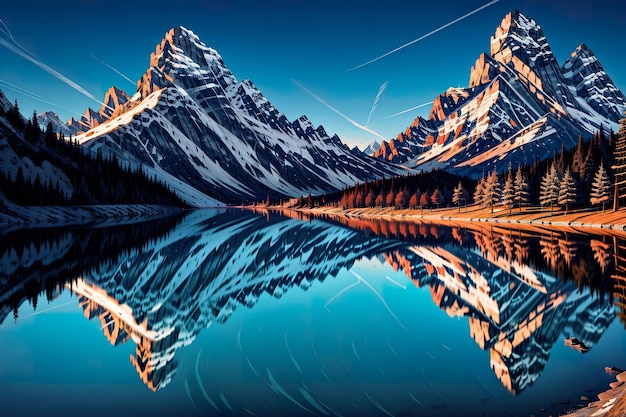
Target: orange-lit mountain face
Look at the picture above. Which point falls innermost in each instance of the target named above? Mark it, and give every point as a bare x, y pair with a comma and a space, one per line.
519, 104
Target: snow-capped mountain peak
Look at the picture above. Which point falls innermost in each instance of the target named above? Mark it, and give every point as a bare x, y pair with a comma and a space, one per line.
519, 104
588, 80
519, 42
211, 138
183, 59
371, 148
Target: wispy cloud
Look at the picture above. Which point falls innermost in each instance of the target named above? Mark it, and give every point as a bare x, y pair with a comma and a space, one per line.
381, 90
16, 48
411, 109
319, 99
113, 69
432, 32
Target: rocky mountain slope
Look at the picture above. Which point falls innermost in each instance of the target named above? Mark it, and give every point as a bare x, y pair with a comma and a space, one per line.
211, 137
519, 104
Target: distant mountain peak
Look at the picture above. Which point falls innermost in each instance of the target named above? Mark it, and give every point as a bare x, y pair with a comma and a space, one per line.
371, 148
585, 74
517, 95
114, 100
5, 104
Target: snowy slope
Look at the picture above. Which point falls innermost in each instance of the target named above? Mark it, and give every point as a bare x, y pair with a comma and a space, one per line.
371, 148
57, 125
195, 126
519, 103
13, 157
5, 104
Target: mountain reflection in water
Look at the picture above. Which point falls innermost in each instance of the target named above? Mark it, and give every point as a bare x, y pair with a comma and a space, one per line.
160, 284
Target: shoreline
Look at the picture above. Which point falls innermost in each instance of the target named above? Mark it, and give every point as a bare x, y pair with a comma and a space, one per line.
610, 403
609, 222
13, 217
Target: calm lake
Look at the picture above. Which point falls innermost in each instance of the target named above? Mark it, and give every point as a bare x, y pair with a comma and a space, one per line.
228, 312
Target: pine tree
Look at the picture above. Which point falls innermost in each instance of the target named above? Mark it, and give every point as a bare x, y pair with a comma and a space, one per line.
459, 195
508, 192
400, 200
437, 198
389, 199
380, 199
413, 201
492, 190
601, 187
35, 122
567, 190
520, 187
619, 164
549, 191
370, 199
424, 200
479, 192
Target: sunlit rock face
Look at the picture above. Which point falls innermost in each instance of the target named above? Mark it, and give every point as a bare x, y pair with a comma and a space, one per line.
519, 103
215, 139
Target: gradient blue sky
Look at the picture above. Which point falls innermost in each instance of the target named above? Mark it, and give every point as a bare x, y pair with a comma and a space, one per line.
277, 42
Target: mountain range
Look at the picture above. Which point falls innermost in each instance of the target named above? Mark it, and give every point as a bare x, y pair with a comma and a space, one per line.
519, 104
213, 138
216, 140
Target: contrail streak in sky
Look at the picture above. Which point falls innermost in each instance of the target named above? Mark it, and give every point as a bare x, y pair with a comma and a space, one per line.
432, 32
19, 50
111, 68
7, 32
381, 90
408, 110
360, 126
7, 85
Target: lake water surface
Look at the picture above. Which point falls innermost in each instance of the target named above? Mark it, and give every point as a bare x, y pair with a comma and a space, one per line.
228, 312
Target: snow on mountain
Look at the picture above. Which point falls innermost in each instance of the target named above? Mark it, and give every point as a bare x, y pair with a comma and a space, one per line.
519, 104
589, 82
371, 148
5, 104
57, 125
196, 127
15, 155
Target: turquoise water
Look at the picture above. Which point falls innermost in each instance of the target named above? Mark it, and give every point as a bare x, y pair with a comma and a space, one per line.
234, 313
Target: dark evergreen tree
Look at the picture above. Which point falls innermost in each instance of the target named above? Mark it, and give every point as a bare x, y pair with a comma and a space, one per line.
619, 165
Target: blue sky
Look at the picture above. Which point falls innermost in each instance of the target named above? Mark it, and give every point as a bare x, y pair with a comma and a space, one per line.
285, 45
